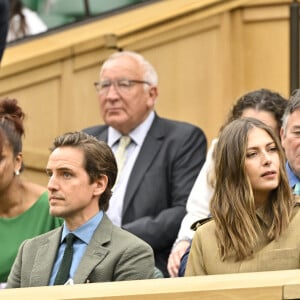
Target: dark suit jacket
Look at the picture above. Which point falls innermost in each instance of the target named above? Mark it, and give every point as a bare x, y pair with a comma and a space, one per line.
161, 180
112, 255
4, 15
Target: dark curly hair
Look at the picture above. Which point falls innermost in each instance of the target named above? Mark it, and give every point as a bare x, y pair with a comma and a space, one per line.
11, 124
262, 100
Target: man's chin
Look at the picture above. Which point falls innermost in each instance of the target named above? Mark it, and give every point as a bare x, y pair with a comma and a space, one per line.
117, 123
54, 212
114, 120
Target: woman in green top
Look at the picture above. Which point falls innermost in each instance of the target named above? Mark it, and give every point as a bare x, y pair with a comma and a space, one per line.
24, 207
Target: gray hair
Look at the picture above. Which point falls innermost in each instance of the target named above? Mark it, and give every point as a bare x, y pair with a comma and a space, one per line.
293, 105
150, 75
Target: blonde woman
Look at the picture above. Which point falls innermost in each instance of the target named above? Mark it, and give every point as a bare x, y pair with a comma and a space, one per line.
255, 218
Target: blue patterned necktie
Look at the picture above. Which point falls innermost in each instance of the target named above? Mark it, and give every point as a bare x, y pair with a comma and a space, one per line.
297, 188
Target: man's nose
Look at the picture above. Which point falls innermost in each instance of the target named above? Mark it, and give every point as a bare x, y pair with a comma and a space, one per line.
112, 91
52, 183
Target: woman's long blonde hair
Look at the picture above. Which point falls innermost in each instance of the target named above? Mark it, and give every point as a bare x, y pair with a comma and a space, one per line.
232, 205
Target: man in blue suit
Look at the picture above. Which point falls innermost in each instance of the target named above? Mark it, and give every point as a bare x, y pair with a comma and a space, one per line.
162, 159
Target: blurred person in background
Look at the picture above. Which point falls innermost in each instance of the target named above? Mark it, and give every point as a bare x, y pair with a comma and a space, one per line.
23, 22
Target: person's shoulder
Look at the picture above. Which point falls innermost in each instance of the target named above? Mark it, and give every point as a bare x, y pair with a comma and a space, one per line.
297, 200
28, 12
201, 223
295, 214
95, 130
296, 209
204, 230
176, 123
129, 239
122, 233
204, 227
34, 23
42, 238
179, 128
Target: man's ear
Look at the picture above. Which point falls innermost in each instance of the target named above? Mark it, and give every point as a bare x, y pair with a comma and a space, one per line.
100, 185
153, 92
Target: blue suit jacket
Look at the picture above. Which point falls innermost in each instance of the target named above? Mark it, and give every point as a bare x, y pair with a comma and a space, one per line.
163, 175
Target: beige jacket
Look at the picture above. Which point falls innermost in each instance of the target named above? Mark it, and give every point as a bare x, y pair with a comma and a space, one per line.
282, 254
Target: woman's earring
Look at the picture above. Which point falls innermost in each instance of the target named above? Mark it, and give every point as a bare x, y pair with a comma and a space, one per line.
17, 173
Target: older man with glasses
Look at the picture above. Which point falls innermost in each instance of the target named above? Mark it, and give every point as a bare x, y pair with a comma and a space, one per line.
158, 159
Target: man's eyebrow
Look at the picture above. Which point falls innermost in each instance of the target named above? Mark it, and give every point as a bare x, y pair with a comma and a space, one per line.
60, 169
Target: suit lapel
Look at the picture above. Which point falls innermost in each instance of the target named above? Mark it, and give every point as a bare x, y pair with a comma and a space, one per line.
150, 148
103, 135
44, 260
95, 252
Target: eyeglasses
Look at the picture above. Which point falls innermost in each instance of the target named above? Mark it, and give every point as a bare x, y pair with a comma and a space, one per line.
121, 85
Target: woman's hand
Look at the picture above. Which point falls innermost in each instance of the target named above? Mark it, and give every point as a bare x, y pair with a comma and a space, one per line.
175, 257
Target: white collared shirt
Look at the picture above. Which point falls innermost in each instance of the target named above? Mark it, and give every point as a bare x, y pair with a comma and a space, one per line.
138, 136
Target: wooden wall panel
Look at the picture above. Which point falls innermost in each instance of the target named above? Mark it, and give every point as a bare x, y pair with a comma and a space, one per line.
266, 48
40, 102
85, 101
189, 84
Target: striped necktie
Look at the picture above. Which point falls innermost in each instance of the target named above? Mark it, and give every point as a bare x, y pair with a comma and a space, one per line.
120, 154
